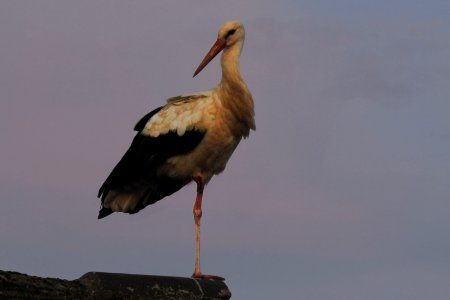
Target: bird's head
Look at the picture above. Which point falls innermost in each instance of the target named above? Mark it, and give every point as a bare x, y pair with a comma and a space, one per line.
230, 33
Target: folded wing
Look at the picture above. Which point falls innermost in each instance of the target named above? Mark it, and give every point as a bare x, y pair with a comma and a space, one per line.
165, 132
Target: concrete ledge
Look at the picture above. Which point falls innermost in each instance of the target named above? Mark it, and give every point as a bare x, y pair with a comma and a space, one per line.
99, 285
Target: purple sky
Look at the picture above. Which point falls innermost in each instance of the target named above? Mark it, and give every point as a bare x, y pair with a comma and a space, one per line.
343, 191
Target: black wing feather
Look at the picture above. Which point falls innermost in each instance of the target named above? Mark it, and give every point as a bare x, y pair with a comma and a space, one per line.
143, 121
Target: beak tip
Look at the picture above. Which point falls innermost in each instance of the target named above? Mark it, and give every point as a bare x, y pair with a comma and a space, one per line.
199, 69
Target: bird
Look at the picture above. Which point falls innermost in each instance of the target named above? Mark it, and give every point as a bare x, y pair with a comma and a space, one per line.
189, 139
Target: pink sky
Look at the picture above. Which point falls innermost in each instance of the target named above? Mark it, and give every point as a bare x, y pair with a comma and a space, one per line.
342, 192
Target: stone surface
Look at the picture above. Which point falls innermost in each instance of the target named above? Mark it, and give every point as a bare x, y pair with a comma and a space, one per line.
99, 285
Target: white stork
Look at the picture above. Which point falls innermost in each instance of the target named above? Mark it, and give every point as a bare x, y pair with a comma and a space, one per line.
189, 139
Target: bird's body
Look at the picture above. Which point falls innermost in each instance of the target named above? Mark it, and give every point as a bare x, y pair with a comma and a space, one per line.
191, 138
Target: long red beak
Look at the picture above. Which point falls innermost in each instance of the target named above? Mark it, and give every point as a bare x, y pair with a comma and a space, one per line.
215, 49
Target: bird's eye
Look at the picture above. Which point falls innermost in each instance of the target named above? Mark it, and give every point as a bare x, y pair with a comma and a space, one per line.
229, 33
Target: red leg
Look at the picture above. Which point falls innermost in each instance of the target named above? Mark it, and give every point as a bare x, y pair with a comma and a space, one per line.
197, 218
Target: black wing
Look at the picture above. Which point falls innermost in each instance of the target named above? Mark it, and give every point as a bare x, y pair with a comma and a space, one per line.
144, 156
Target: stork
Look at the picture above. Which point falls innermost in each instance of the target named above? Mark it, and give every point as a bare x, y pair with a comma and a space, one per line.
191, 138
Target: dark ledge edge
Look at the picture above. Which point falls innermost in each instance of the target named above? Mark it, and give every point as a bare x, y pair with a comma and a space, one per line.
101, 285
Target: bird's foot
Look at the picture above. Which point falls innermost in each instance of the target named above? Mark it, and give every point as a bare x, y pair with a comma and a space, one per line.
204, 276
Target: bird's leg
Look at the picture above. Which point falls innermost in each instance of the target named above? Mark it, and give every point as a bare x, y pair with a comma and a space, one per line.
197, 218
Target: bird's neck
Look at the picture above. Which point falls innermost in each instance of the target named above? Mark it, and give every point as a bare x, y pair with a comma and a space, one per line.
231, 75
230, 64
235, 95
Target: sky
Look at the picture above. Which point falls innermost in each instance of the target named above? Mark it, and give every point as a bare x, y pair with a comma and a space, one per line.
342, 192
